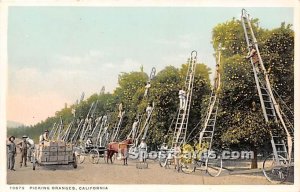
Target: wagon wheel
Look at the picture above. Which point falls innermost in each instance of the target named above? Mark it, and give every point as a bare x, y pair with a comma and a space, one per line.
80, 156
276, 172
75, 161
165, 160
187, 165
187, 162
94, 156
213, 164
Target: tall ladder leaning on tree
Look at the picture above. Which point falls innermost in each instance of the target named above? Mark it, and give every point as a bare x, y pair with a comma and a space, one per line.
101, 139
81, 127
74, 132
90, 124
66, 136
143, 130
116, 129
73, 125
207, 132
281, 146
59, 131
181, 124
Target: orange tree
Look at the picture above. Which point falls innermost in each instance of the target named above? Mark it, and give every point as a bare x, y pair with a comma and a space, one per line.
240, 121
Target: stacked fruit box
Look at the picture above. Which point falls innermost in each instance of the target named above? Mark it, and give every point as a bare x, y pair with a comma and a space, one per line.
69, 152
56, 152
61, 149
47, 151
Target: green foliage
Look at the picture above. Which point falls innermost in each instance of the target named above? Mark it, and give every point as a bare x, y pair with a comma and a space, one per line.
240, 122
278, 57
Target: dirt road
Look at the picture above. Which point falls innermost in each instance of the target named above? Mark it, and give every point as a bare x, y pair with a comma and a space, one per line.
116, 173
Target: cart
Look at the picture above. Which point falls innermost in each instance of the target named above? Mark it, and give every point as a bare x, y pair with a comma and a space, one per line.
53, 153
94, 153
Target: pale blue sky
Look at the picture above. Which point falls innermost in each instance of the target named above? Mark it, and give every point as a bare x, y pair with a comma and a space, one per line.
55, 53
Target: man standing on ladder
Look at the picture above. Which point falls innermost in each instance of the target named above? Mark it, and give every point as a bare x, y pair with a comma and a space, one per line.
148, 85
217, 79
253, 53
182, 99
134, 128
148, 110
120, 110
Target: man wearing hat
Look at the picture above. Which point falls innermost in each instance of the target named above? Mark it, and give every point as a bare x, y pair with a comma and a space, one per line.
44, 137
23, 148
12, 152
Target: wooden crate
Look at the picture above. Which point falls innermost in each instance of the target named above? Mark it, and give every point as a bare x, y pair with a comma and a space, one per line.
69, 147
53, 153
61, 153
61, 143
44, 158
53, 158
61, 148
45, 148
69, 158
52, 149
61, 158
50, 143
44, 153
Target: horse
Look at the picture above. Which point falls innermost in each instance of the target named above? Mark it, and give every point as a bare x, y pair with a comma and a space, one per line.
115, 147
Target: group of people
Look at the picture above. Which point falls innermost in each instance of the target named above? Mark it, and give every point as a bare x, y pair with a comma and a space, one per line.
25, 146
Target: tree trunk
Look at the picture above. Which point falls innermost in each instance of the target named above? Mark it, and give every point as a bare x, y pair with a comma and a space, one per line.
254, 160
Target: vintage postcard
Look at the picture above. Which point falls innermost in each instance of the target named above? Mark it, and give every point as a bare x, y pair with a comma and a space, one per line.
151, 96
